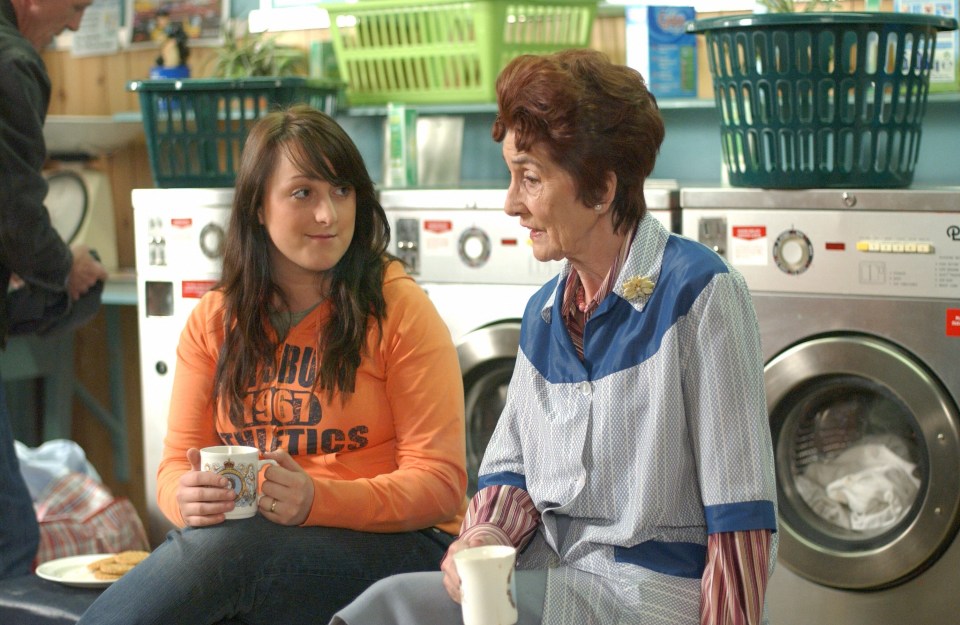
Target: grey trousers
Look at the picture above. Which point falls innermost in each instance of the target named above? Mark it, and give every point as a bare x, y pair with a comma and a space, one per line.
421, 598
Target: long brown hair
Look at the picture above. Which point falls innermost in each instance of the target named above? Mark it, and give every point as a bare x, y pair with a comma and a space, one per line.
592, 116
317, 145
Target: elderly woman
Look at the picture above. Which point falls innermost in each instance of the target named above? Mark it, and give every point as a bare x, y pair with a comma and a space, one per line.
632, 466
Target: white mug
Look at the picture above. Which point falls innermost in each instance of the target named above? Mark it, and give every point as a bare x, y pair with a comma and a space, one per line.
241, 466
487, 585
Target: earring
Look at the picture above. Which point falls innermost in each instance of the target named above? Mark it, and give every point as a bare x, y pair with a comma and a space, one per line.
598, 207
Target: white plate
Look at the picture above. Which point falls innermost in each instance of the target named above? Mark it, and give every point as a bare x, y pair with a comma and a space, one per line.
73, 571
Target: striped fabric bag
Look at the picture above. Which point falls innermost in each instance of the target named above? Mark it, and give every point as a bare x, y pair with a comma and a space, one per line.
79, 516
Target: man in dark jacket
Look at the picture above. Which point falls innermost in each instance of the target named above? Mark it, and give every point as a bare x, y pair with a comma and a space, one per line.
29, 246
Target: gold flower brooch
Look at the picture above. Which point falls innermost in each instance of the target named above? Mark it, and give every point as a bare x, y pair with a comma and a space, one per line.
637, 287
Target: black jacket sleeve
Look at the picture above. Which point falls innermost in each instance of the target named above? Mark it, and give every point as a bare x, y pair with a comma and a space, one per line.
29, 245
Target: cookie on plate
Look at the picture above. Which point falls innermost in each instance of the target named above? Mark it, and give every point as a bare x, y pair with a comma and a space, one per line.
132, 556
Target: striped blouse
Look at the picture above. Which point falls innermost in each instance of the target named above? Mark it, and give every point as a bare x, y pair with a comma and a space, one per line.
735, 578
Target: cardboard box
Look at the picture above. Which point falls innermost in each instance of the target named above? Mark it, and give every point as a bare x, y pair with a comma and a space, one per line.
945, 74
659, 47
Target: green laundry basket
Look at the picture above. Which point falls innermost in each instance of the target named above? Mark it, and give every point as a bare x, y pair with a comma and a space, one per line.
196, 128
446, 51
809, 100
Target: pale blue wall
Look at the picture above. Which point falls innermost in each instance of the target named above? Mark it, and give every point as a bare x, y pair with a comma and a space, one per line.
240, 8
690, 152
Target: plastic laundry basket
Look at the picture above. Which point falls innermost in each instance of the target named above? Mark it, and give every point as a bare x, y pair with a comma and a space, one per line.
196, 128
446, 51
812, 100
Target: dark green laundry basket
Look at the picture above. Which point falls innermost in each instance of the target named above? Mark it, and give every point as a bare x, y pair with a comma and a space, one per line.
196, 128
810, 100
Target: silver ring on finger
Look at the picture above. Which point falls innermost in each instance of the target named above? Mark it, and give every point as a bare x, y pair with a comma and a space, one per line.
273, 506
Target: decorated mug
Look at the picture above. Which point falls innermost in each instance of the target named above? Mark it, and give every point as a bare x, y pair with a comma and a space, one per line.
241, 466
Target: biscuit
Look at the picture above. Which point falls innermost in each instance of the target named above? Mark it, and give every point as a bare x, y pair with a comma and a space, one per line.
115, 568
132, 557
95, 565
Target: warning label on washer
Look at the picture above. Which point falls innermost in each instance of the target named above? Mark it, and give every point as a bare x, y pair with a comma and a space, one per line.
748, 245
438, 226
953, 322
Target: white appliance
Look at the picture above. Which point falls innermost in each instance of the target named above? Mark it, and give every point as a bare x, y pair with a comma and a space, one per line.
178, 241
80, 203
475, 263
80, 198
857, 295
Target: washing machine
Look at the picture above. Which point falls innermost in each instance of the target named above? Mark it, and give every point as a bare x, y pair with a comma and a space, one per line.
80, 203
857, 294
80, 197
476, 265
178, 246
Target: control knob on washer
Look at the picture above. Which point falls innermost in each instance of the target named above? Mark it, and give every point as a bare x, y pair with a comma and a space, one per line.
211, 240
792, 251
474, 247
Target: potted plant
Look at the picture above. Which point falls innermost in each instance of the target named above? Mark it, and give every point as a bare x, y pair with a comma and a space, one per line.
245, 55
793, 6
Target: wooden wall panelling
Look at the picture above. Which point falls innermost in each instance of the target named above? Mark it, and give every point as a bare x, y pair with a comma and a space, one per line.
95, 439
128, 168
609, 36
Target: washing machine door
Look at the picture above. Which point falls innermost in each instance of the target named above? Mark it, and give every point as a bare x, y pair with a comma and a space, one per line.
487, 357
868, 461
67, 202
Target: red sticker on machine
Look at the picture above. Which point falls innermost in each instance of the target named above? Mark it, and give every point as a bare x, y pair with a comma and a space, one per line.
194, 289
181, 222
953, 322
439, 226
749, 232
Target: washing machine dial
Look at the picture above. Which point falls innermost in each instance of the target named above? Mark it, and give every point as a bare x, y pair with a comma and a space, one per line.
211, 240
792, 251
474, 247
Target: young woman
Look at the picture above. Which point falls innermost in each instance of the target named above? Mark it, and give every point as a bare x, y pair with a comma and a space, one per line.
319, 350
632, 466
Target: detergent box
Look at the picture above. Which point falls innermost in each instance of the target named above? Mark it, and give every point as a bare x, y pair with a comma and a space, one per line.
660, 48
400, 143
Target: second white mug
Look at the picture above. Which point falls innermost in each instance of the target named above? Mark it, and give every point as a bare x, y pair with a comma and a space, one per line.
487, 584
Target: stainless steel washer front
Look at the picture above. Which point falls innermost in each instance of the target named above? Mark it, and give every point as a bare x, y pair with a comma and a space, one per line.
857, 397
857, 295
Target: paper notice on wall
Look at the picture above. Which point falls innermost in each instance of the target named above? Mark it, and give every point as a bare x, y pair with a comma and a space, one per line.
748, 245
99, 31
945, 69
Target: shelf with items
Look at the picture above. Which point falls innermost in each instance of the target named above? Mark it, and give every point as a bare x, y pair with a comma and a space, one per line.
664, 104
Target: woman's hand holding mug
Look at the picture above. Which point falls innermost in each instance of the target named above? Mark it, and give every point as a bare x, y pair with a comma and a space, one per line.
222, 484
287, 490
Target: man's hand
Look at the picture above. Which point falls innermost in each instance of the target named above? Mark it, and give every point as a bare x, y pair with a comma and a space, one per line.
84, 273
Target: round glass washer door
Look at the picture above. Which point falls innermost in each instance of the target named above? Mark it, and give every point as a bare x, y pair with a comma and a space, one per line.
66, 202
487, 358
867, 459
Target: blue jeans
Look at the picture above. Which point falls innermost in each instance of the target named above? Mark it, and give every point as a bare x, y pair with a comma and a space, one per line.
255, 571
19, 531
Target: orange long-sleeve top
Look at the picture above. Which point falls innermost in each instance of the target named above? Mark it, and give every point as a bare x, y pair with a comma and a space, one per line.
390, 458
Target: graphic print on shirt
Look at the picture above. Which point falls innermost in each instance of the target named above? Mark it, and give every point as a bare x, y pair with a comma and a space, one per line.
282, 412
